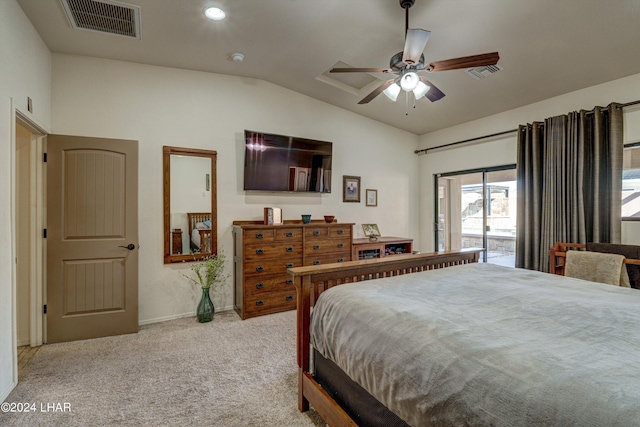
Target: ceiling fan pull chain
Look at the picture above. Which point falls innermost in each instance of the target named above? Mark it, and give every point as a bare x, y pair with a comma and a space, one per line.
406, 103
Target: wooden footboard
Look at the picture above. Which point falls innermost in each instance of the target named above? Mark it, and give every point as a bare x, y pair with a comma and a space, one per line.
311, 281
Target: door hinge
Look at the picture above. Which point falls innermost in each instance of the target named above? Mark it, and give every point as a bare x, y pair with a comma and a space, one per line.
44, 233
44, 157
44, 309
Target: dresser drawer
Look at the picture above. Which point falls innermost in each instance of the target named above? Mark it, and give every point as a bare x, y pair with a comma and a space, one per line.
313, 247
313, 233
275, 301
289, 234
271, 266
269, 250
258, 235
327, 259
340, 232
265, 285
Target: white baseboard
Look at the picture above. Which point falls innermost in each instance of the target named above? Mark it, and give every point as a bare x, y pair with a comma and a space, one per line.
177, 316
23, 342
5, 393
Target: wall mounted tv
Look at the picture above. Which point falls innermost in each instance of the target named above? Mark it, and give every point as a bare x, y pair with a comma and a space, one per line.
286, 163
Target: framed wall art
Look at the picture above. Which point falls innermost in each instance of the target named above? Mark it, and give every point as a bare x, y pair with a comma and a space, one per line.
351, 189
372, 197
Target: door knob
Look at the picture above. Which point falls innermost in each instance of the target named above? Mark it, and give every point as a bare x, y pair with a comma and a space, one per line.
130, 246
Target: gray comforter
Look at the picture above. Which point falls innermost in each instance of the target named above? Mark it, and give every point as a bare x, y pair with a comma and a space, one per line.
484, 345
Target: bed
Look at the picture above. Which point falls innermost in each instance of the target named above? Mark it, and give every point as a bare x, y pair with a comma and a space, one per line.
469, 344
199, 232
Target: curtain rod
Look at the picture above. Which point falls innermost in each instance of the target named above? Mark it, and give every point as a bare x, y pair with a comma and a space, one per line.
506, 132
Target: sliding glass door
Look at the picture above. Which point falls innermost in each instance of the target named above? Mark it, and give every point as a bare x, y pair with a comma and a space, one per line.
477, 209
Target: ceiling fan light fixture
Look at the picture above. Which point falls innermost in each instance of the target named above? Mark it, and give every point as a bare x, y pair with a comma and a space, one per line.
421, 90
409, 81
214, 13
392, 92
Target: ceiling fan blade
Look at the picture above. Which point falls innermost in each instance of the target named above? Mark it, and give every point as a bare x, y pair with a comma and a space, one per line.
464, 62
360, 70
377, 91
414, 45
434, 93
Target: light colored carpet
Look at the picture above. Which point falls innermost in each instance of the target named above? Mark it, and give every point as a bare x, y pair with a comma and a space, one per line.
228, 372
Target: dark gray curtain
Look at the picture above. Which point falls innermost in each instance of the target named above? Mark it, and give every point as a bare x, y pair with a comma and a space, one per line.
569, 173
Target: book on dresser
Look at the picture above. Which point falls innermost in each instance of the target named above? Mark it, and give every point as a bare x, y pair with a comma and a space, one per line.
263, 253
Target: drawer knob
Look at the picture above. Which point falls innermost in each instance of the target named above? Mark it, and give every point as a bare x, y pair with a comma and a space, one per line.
289, 265
289, 234
259, 236
289, 298
289, 282
340, 259
259, 269
316, 247
260, 286
289, 249
316, 233
341, 245
260, 251
259, 302
340, 231
316, 262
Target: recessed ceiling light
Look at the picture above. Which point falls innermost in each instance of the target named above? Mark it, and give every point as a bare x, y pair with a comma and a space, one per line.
214, 13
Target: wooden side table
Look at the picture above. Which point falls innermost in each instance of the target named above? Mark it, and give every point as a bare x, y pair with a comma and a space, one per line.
364, 248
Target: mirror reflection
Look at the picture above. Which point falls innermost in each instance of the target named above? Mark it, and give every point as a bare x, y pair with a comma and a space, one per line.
190, 223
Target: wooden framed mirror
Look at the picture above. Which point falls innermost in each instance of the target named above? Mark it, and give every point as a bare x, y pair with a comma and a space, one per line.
190, 204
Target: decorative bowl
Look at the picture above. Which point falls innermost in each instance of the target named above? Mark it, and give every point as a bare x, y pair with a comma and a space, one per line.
306, 219
329, 218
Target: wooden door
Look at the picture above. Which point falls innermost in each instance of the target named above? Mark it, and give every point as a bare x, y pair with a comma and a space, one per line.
92, 237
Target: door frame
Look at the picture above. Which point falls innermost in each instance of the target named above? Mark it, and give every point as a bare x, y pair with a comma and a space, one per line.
37, 331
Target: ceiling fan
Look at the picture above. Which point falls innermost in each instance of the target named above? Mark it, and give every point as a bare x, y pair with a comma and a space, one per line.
408, 63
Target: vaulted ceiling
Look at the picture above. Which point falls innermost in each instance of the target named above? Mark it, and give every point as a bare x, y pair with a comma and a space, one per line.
547, 47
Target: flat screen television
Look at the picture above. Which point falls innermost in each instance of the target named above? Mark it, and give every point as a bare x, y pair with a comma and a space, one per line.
286, 163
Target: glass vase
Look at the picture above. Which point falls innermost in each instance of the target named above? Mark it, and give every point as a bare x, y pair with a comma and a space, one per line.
205, 307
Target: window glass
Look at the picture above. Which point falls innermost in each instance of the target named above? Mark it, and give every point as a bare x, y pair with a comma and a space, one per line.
631, 183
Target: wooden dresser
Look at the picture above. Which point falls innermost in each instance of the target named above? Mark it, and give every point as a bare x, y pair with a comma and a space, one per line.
263, 253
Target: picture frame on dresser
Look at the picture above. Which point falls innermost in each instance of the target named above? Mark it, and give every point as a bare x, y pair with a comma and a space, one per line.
272, 216
350, 189
371, 230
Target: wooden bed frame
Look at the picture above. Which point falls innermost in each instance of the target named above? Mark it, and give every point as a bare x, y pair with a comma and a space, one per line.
311, 281
205, 235
558, 256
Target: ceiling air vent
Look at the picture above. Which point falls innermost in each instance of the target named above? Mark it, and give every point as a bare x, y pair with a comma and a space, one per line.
479, 73
104, 16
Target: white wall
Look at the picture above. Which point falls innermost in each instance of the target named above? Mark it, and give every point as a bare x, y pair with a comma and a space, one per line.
163, 106
502, 150
25, 71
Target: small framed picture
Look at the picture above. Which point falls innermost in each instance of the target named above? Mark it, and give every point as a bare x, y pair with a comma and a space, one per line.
273, 216
371, 230
351, 189
372, 197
